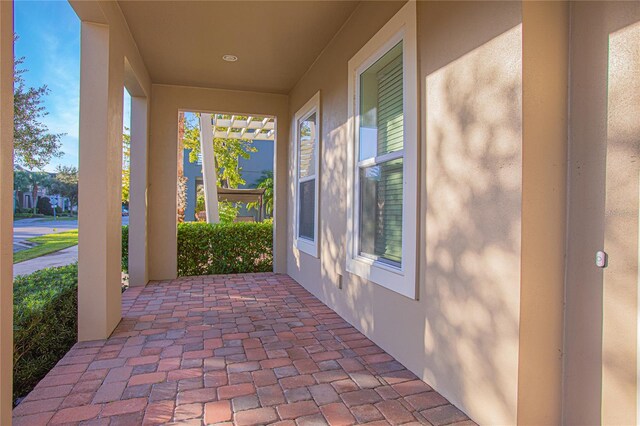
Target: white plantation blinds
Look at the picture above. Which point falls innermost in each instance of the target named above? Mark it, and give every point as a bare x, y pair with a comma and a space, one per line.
390, 118
381, 159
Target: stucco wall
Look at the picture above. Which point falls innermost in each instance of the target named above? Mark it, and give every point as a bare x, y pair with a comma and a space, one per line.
163, 156
603, 149
461, 336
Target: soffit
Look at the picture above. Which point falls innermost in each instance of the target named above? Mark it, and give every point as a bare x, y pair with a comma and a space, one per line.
182, 42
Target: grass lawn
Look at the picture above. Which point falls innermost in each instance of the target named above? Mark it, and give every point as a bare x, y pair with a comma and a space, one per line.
47, 244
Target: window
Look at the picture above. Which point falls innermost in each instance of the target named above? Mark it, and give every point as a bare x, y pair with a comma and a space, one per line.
307, 148
383, 161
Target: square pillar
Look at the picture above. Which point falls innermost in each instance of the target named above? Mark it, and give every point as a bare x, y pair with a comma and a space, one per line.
100, 180
6, 211
545, 67
209, 176
138, 270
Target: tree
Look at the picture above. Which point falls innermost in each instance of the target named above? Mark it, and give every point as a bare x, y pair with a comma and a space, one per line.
65, 183
21, 180
36, 180
33, 145
20, 183
226, 152
126, 166
265, 182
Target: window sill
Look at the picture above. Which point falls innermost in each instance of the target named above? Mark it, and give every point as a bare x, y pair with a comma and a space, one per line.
306, 246
386, 276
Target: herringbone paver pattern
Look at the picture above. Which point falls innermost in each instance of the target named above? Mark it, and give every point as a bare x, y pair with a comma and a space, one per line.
244, 349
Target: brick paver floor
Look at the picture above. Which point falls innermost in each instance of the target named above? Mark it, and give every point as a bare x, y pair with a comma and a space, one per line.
244, 349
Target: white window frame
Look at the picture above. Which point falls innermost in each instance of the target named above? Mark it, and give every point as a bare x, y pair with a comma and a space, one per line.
403, 280
301, 243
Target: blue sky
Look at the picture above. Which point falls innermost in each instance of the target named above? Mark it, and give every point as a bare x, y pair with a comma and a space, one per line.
49, 40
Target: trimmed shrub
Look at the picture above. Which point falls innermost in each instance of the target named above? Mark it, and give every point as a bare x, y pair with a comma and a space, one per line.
233, 248
44, 206
45, 323
125, 249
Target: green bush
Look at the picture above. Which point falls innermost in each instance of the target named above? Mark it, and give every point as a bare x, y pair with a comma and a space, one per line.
224, 248
125, 249
45, 323
44, 206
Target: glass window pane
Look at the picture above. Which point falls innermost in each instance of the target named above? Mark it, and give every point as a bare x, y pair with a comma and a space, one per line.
306, 219
381, 211
307, 147
381, 109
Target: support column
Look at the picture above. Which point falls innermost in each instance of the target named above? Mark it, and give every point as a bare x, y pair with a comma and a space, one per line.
209, 176
545, 66
6, 211
138, 271
100, 180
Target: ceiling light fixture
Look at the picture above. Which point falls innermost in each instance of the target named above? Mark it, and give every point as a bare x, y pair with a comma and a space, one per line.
230, 58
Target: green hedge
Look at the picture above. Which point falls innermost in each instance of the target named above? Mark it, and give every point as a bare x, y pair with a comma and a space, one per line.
224, 248
45, 323
125, 249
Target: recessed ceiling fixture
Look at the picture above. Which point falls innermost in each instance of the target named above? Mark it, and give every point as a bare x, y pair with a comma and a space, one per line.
230, 58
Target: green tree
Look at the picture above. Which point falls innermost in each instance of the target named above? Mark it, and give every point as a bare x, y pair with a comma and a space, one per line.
37, 180
21, 180
20, 183
265, 182
34, 145
126, 167
227, 152
65, 183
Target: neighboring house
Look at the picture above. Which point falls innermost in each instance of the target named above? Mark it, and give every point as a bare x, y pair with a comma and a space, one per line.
23, 199
252, 169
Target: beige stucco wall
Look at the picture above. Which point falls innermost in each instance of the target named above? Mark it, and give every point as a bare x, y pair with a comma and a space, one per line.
163, 172
601, 305
462, 335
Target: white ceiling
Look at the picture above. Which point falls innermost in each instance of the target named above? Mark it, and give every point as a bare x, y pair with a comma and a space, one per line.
182, 42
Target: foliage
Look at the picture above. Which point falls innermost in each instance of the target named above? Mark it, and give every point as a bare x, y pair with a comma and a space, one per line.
205, 248
36, 180
125, 249
34, 146
226, 152
266, 182
45, 323
65, 183
44, 206
227, 211
26, 215
126, 166
21, 181
48, 243
182, 197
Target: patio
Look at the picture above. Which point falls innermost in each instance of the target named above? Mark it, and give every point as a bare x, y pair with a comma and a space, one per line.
252, 349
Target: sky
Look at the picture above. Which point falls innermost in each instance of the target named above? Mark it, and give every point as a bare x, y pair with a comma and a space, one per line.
49, 39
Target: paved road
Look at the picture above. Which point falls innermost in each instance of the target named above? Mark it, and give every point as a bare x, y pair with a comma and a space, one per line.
59, 258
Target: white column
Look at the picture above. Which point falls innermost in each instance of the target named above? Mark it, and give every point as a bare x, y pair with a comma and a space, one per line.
138, 271
100, 168
209, 169
6, 211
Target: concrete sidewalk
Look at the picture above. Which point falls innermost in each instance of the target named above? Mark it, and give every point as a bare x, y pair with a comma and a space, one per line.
59, 258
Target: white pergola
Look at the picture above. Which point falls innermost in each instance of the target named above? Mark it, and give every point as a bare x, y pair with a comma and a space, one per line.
240, 127
229, 127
